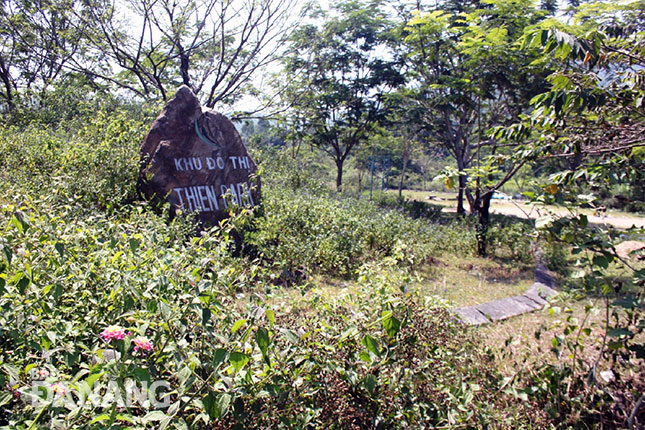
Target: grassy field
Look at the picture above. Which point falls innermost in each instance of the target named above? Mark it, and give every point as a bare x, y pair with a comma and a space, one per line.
456, 281
466, 281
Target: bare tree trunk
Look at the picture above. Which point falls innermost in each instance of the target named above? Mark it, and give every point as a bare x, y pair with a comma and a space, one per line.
339, 174
463, 179
482, 207
4, 74
460, 195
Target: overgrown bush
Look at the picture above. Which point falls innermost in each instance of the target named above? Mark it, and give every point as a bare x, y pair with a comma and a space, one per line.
101, 296
97, 164
413, 208
99, 305
512, 238
305, 230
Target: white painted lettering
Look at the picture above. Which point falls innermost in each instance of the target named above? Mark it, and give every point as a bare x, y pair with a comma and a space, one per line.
191, 198
203, 199
178, 165
236, 198
234, 161
250, 196
240, 193
223, 189
212, 197
181, 201
220, 162
210, 163
198, 163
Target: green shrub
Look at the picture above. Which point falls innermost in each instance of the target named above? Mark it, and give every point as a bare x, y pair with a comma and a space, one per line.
330, 233
97, 165
375, 359
511, 238
413, 208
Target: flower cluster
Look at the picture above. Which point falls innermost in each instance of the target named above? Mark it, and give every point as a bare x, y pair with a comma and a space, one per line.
142, 344
59, 389
42, 374
113, 332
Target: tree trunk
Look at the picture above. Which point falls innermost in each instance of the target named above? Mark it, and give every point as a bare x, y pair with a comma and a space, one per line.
4, 74
482, 206
184, 64
461, 165
460, 195
339, 175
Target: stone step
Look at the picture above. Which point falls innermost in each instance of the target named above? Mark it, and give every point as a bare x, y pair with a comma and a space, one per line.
533, 299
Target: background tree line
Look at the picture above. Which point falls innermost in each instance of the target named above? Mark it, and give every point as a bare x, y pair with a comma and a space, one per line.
409, 78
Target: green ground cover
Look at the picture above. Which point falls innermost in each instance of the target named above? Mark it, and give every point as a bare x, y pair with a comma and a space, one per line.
332, 314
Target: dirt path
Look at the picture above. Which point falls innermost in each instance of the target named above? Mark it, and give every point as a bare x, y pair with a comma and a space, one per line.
523, 210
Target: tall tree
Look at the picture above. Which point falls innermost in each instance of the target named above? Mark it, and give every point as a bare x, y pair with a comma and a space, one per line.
471, 76
39, 42
592, 120
408, 125
338, 79
216, 47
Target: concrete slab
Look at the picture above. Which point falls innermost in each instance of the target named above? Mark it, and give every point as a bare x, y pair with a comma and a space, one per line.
471, 316
535, 296
544, 276
542, 290
528, 302
503, 308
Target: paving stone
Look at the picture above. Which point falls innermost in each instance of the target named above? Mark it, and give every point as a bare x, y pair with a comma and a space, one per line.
471, 316
528, 302
541, 290
535, 296
544, 276
503, 308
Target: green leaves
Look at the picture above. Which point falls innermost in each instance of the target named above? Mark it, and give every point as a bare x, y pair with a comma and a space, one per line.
237, 325
372, 345
391, 324
216, 404
618, 332
370, 383
262, 339
238, 360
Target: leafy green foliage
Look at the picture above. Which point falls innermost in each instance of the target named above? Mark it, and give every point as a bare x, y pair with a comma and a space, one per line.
303, 233
375, 357
592, 118
76, 261
97, 165
336, 82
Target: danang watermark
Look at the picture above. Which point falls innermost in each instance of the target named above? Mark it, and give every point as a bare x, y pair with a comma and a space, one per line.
128, 393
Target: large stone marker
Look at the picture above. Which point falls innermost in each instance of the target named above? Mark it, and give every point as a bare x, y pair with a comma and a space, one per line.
194, 158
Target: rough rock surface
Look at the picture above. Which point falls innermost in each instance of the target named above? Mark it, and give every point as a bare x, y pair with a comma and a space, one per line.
194, 158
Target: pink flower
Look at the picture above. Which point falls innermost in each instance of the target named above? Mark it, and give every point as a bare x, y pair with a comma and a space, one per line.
141, 343
113, 332
42, 373
58, 388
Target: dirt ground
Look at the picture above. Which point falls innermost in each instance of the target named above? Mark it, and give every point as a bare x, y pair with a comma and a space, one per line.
523, 210
607, 218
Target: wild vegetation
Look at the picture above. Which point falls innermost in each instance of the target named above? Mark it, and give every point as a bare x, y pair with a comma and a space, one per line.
327, 306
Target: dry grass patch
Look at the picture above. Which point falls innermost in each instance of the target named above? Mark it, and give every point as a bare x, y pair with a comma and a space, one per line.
467, 281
